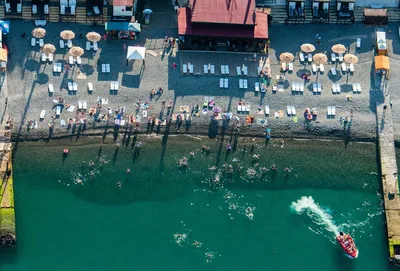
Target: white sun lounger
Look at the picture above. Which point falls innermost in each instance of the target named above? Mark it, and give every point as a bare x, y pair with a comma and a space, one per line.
90, 87
51, 88
351, 67
241, 84
221, 82
295, 87
71, 60
321, 68
44, 57
301, 57
314, 88
314, 68
75, 86
226, 83
358, 42
33, 42
333, 110
267, 111
329, 111
84, 105
50, 58
69, 43
191, 68
344, 68
309, 57
222, 69
258, 70
116, 85
62, 9
333, 57
340, 57
293, 110
247, 107
46, 9
80, 104
41, 43
257, 86
359, 88
301, 88
58, 110
333, 71
70, 87
55, 67
238, 71
239, 108
289, 110
78, 60
283, 66
42, 114
112, 85
245, 83
62, 45
184, 68
108, 68
212, 69
95, 46
205, 69
319, 87
290, 68
19, 8
244, 70
226, 69
88, 46
59, 67
34, 9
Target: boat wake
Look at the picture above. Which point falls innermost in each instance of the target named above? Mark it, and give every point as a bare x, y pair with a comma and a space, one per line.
318, 215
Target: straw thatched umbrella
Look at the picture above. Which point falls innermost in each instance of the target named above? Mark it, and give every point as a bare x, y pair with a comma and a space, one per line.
3, 55
350, 59
320, 58
286, 57
48, 48
339, 49
307, 48
93, 36
76, 51
39, 33
67, 35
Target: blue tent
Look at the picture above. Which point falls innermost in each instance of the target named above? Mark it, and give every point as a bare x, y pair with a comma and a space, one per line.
5, 27
122, 26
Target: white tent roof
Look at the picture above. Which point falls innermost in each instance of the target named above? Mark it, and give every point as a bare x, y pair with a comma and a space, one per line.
136, 52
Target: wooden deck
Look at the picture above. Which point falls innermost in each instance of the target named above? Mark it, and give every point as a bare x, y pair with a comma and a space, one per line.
200, 58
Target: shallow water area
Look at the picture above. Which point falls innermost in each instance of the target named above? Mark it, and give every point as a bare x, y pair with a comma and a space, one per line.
85, 211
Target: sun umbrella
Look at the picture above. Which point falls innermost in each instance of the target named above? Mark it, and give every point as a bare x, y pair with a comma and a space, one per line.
148, 11
350, 59
339, 49
307, 48
76, 51
320, 58
38, 33
286, 57
93, 36
3, 55
48, 48
67, 35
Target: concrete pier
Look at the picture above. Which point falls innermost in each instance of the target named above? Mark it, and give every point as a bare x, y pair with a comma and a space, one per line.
389, 177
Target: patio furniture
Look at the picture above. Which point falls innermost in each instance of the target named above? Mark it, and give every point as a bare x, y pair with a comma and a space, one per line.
333, 71
226, 83
238, 71
267, 111
358, 42
70, 87
71, 60
301, 57
333, 57
75, 86
69, 43
41, 43
301, 88
95, 46
51, 88
244, 70
33, 42
34, 9
309, 57
290, 68
90, 87
222, 69
84, 105
321, 68
205, 69
78, 60
241, 84
314, 68
191, 68
257, 86
44, 57
62, 45
51, 58
283, 66
351, 67
221, 82
340, 57
88, 46
245, 83
184, 68
344, 68
46, 9
212, 69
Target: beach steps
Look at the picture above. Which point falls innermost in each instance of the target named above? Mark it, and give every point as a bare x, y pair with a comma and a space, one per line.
389, 177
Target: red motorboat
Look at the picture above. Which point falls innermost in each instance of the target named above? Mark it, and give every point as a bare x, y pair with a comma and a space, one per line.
348, 245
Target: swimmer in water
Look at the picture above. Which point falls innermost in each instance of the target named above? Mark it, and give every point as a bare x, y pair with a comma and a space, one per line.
91, 164
273, 167
196, 244
250, 216
203, 148
79, 181
128, 171
248, 210
191, 153
282, 143
229, 147
212, 168
288, 170
119, 183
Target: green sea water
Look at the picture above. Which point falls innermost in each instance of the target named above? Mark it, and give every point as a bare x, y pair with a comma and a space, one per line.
74, 217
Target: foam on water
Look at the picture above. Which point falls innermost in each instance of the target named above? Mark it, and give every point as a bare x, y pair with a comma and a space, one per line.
318, 215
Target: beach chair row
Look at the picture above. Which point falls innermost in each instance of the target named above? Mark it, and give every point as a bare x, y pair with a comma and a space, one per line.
186, 67
336, 88
89, 46
72, 86
297, 87
114, 85
243, 83
64, 44
317, 88
34, 42
320, 67
286, 67
46, 9
209, 68
346, 68
105, 68
331, 111
223, 82
336, 58
239, 70
224, 69
72, 60
82, 105
49, 57
291, 110
243, 107
304, 57
57, 67
356, 88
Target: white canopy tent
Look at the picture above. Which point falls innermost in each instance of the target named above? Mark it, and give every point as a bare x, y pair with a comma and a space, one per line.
136, 53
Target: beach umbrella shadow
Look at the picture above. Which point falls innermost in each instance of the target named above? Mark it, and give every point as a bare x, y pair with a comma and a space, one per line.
32, 65
300, 72
42, 78
346, 88
335, 78
213, 129
87, 69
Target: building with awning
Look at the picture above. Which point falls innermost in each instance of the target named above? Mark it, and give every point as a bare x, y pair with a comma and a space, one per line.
207, 24
5, 27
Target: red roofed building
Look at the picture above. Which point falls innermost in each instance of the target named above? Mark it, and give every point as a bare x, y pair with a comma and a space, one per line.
234, 24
